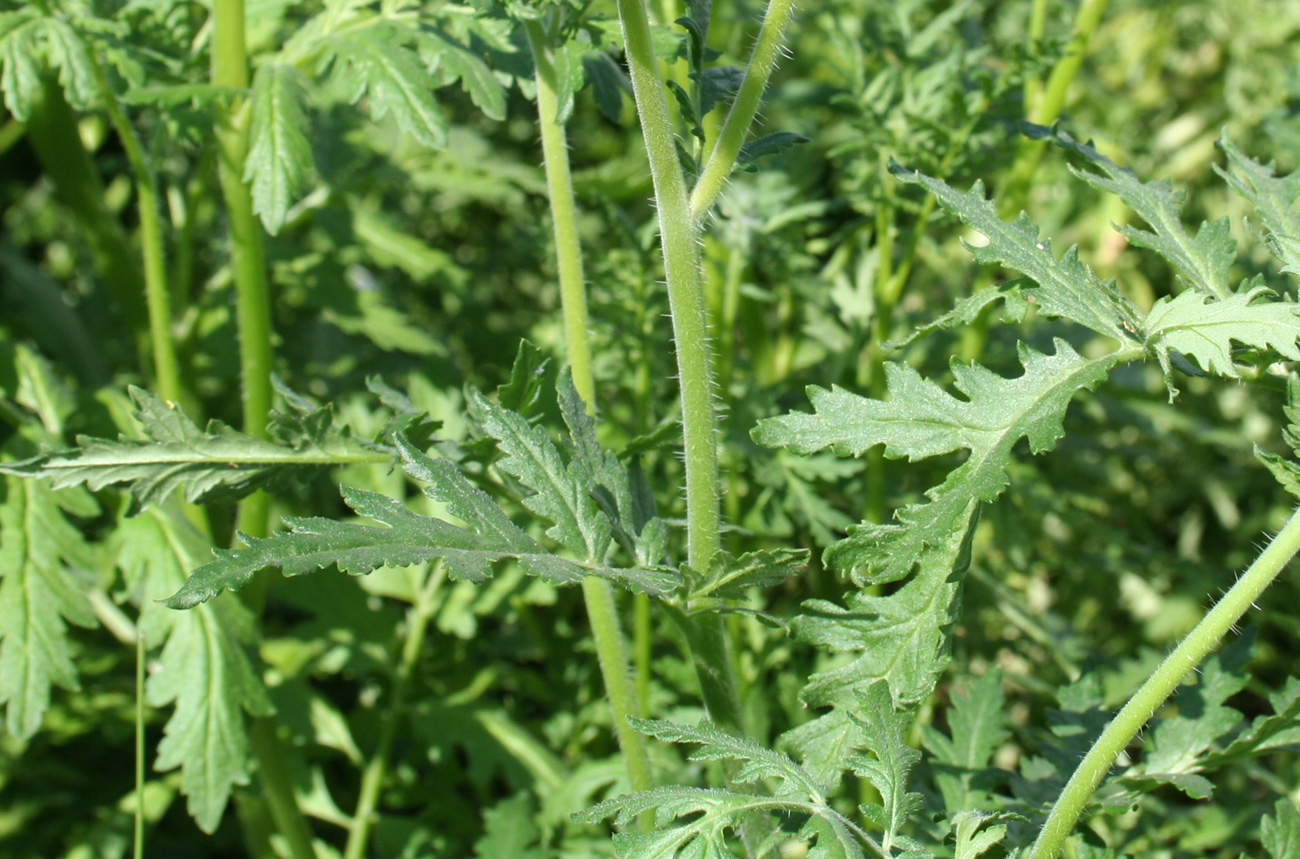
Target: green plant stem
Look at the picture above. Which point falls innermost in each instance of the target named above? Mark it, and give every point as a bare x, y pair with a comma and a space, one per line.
372, 779
167, 373
679, 235
253, 314
247, 251
277, 788
1203, 639
137, 850
743, 109
602, 609
559, 186
1029, 153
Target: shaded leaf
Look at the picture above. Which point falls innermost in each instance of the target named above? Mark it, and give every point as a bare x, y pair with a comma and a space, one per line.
374, 62
203, 669
1275, 201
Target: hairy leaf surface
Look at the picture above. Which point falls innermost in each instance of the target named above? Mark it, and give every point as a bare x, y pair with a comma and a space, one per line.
1203, 261
406, 538
1066, 287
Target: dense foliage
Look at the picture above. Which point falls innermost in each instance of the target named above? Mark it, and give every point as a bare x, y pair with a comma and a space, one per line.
572, 428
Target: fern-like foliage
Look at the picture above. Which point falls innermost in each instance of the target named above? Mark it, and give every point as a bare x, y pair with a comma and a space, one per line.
902, 636
209, 464
694, 822
586, 497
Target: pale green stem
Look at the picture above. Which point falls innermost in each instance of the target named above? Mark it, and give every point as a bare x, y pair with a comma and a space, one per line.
743, 109
1160, 685
1048, 109
247, 250
372, 779
1029, 153
602, 610
679, 236
564, 217
158, 296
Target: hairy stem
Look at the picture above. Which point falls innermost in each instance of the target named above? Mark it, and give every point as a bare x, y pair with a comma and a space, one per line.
247, 251
743, 109
1198, 644
679, 235
559, 187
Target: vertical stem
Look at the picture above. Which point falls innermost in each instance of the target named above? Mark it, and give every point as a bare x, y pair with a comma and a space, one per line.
1050, 101
252, 308
137, 850
158, 298
1029, 153
679, 236
1204, 638
602, 610
559, 187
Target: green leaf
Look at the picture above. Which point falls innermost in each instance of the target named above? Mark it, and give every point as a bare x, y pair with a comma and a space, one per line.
279, 156
38, 597
693, 822
1203, 262
975, 731
768, 144
374, 61
1266, 733
609, 84
1281, 832
890, 769
68, 52
1066, 287
407, 538
560, 494
971, 841
451, 62
731, 577
20, 73
1275, 201
203, 668
508, 830
624, 500
921, 420
1204, 329
205, 465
